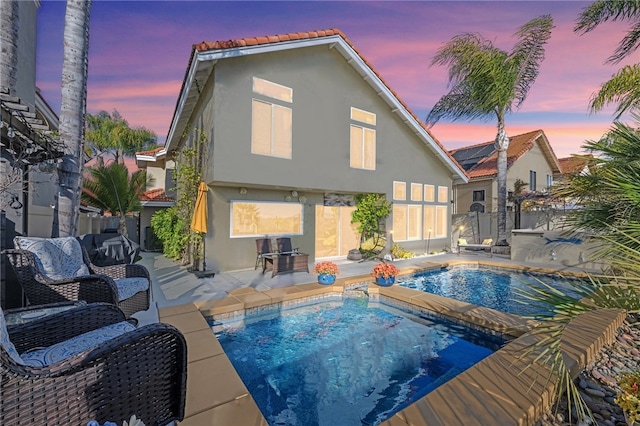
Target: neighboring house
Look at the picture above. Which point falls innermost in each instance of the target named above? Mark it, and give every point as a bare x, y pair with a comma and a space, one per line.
159, 193
530, 158
296, 126
574, 165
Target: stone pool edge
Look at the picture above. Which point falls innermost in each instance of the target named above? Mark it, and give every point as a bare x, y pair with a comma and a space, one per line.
490, 392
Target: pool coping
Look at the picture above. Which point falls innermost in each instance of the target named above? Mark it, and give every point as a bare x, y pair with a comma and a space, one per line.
497, 390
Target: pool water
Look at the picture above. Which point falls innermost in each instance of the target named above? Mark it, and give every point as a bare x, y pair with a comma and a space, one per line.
492, 288
348, 362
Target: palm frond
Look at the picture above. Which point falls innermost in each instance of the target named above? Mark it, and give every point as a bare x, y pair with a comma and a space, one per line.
622, 88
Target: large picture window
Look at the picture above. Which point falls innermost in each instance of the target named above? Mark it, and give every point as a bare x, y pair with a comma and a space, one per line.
254, 219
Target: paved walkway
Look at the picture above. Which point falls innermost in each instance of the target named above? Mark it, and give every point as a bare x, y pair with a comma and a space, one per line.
173, 285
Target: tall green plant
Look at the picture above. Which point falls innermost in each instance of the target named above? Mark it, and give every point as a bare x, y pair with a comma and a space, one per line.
173, 227
370, 213
609, 194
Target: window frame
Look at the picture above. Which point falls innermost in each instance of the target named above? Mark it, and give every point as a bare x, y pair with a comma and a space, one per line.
259, 232
478, 191
397, 184
272, 144
532, 180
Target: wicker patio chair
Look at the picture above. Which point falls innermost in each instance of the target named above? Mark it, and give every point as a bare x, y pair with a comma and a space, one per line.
78, 278
141, 372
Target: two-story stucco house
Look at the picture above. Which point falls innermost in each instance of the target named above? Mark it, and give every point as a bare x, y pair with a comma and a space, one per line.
296, 125
530, 158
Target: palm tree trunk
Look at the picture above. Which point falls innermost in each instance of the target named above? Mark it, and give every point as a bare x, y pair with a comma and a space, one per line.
72, 111
502, 144
9, 39
122, 226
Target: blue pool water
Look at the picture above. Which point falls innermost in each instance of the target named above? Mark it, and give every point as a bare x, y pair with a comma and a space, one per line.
344, 363
495, 289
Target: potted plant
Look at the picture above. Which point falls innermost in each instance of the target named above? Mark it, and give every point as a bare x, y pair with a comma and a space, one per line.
385, 273
628, 397
327, 272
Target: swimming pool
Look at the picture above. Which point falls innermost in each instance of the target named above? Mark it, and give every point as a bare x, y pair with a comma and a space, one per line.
346, 362
491, 288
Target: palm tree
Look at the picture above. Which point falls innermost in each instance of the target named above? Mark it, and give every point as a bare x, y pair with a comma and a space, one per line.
111, 133
72, 110
622, 88
113, 190
486, 82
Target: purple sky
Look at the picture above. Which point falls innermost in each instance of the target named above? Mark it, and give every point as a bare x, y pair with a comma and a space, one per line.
139, 52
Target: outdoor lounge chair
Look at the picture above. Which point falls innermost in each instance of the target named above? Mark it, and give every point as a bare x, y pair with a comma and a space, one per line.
58, 269
487, 245
89, 363
263, 246
284, 246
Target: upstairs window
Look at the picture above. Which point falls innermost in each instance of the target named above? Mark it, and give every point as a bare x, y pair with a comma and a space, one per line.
271, 122
272, 90
362, 150
532, 180
478, 195
549, 181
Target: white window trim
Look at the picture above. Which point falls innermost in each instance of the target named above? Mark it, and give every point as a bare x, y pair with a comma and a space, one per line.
395, 196
272, 139
375, 118
231, 203
416, 185
446, 189
362, 148
433, 189
275, 84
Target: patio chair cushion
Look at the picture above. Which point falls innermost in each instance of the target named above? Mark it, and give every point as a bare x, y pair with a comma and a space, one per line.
56, 258
462, 241
127, 287
487, 241
5, 342
46, 356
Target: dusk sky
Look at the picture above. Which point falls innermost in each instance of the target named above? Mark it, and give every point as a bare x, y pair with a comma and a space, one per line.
139, 52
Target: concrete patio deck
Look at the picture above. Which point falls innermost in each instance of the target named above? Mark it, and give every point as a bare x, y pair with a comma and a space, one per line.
490, 393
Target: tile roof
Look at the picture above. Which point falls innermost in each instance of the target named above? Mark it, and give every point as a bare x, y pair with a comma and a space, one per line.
157, 194
480, 161
574, 164
273, 39
151, 151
